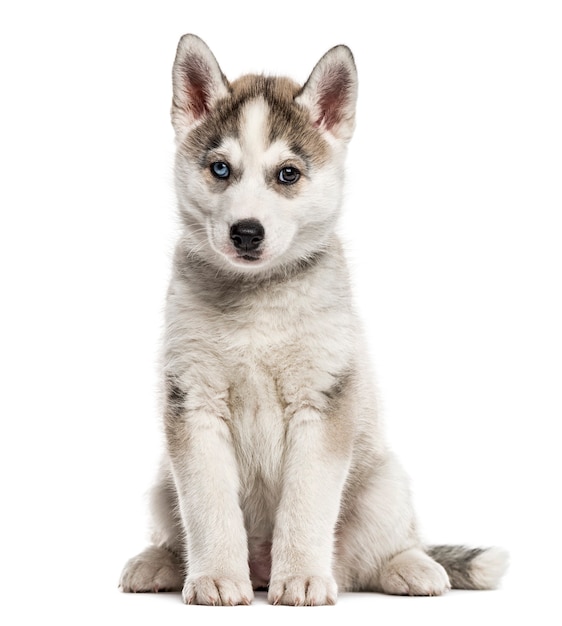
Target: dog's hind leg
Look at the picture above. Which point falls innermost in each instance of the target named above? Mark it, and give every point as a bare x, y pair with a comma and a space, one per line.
160, 567
154, 569
413, 573
377, 546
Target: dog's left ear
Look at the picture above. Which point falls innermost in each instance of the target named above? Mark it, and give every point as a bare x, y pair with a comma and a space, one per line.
198, 83
330, 93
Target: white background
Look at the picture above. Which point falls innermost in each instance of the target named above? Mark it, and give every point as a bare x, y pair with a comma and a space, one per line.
453, 227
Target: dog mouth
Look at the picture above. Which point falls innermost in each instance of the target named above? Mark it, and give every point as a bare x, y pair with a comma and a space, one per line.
249, 257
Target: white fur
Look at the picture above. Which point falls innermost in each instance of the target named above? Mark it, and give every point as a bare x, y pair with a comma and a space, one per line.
489, 567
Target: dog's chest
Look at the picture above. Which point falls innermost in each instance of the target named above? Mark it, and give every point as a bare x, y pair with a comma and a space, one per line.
270, 353
262, 354
259, 359
257, 426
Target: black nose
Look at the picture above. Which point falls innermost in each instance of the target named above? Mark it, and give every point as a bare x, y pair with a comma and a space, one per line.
247, 235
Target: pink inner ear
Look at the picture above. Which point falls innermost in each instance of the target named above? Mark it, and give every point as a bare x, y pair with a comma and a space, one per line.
197, 79
333, 95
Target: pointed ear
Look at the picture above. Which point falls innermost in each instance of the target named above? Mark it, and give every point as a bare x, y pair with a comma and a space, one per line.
197, 81
330, 93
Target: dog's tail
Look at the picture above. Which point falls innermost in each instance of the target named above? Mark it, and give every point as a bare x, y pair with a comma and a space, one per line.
471, 568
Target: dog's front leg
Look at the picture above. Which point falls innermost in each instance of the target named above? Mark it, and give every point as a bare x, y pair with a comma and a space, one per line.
206, 476
315, 467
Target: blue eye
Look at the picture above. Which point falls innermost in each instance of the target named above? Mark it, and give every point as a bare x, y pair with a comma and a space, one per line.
288, 175
220, 169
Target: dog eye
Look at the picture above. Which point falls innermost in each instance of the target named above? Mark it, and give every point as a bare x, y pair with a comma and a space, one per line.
220, 169
288, 175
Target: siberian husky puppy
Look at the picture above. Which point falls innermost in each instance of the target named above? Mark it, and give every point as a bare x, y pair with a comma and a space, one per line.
276, 473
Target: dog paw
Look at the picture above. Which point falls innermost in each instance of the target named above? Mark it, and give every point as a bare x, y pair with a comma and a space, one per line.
155, 569
303, 591
413, 573
217, 591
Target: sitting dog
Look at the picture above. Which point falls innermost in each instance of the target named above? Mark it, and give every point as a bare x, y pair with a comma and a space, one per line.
276, 473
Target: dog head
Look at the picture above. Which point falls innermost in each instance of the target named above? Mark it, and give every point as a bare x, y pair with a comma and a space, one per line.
259, 165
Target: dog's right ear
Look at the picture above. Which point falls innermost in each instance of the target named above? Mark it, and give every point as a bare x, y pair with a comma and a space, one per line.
197, 82
330, 93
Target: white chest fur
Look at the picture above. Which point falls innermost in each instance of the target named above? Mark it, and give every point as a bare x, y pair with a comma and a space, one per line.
254, 357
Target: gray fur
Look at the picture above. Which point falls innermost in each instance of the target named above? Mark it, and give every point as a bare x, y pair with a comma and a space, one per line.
464, 564
457, 561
